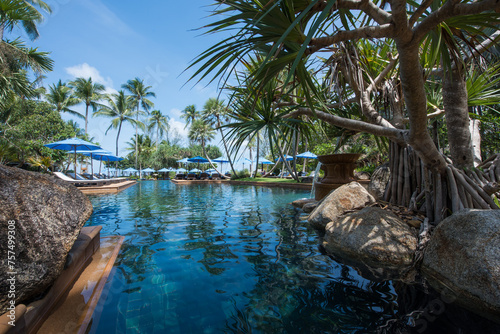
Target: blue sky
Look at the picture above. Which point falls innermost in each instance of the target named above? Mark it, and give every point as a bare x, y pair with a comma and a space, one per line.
115, 41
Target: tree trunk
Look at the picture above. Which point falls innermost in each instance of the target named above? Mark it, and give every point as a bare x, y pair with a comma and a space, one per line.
86, 117
412, 81
457, 118
475, 132
118, 136
257, 155
136, 125
225, 147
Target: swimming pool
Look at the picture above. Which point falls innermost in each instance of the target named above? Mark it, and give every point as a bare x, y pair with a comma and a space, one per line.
218, 258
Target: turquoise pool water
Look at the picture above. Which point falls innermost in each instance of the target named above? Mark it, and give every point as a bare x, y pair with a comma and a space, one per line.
227, 259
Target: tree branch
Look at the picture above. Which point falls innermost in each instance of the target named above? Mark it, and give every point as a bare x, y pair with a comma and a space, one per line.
451, 9
436, 113
382, 75
351, 124
400, 21
420, 10
368, 7
316, 44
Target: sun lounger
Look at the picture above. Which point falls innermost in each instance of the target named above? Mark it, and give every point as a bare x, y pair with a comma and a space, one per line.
191, 176
204, 176
180, 176
78, 183
103, 181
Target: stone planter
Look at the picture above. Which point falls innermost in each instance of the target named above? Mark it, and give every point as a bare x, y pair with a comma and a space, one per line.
339, 170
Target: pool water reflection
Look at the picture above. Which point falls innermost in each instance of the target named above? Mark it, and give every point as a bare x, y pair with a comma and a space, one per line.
217, 258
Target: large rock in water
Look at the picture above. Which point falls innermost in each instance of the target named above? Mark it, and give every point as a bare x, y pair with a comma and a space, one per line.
46, 216
463, 258
373, 236
347, 197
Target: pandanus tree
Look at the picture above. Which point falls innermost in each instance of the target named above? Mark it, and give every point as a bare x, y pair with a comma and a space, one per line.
292, 35
254, 113
140, 93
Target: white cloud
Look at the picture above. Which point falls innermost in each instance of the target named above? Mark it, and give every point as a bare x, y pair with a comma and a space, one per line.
175, 113
179, 126
86, 71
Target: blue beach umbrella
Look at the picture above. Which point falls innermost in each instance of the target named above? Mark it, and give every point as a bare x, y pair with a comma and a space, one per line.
307, 155
220, 159
164, 170
184, 161
264, 161
198, 159
107, 158
287, 158
148, 170
131, 170
73, 144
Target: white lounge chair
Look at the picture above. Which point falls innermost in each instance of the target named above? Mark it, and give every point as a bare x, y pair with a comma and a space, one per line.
79, 183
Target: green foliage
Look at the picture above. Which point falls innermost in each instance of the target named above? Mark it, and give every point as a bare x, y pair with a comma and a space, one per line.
324, 148
490, 138
31, 124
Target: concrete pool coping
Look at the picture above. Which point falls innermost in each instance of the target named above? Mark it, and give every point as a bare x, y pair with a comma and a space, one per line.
88, 268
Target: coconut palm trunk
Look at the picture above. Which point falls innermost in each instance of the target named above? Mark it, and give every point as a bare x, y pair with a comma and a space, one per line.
136, 132
225, 147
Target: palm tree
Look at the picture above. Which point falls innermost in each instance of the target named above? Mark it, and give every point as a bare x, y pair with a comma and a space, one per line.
76, 129
190, 114
140, 93
213, 111
16, 60
202, 133
61, 96
24, 13
142, 148
160, 122
120, 109
89, 93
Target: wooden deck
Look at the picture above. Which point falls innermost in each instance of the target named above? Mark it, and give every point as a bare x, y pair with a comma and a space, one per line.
108, 188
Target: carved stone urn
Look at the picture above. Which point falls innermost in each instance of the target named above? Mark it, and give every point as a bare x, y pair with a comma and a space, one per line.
339, 170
